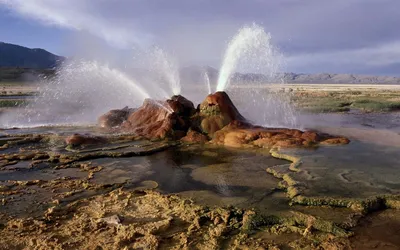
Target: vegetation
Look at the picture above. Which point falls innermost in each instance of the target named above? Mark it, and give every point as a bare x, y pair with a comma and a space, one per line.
12, 103
10, 75
346, 100
376, 105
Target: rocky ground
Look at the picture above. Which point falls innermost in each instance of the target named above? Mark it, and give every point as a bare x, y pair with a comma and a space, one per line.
58, 206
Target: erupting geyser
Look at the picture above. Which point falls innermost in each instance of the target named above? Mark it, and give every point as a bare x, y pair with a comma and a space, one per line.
167, 68
207, 82
251, 49
83, 90
79, 92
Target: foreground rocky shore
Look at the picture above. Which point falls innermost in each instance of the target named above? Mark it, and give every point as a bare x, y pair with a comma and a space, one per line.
50, 198
64, 191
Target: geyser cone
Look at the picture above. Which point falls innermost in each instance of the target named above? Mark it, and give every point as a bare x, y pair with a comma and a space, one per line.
217, 111
186, 106
160, 119
217, 117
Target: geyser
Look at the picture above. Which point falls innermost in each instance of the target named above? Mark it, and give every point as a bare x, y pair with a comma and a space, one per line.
257, 90
83, 90
78, 93
251, 49
207, 82
167, 69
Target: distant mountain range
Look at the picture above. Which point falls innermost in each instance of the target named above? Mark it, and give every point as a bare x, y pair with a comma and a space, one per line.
339, 78
26, 59
12, 55
196, 74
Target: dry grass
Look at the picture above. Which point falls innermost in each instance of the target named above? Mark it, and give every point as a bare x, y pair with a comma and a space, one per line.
343, 99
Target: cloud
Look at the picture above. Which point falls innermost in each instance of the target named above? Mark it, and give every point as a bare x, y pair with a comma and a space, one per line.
367, 57
81, 16
314, 35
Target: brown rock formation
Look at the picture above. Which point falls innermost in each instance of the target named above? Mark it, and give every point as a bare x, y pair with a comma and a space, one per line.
114, 118
339, 140
160, 119
267, 137
217, 111
194, 137
187, 107
216, 117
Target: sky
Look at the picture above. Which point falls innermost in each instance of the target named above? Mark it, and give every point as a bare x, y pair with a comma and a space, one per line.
314, 36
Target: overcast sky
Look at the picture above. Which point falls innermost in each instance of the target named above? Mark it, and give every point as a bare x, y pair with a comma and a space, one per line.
340, 36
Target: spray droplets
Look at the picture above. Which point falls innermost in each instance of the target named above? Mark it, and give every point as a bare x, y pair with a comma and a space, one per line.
250, 50
207, 82
167, 69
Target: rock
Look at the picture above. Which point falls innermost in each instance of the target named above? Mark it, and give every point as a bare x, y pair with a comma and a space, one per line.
291, 142
310, 136
158, 119
263, 142
216, 117
217, 111
115, 117
194, 137
78, 139
111, 220
235, 137
245, 135
339, 140
188, 107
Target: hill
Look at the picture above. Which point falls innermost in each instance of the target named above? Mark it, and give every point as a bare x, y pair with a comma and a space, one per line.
339, 78
196, 74
12, 55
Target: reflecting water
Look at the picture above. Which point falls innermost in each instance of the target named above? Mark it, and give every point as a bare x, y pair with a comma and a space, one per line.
357, 170
235, 175
389, 121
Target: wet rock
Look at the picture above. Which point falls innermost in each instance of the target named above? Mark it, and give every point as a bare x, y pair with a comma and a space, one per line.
291, 142
194, 137
339, 140
78, 139
4, 188
235, 137
115, 117
263, 142
246, 135
188, 107
310, 136
217, 118
160, 119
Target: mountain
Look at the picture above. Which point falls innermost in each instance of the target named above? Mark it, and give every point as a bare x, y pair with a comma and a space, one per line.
12, 55
195, 74
339, 78
18, 62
